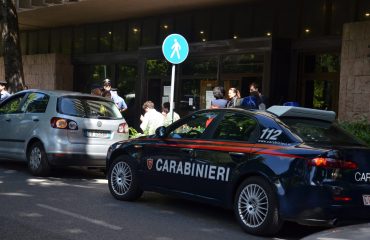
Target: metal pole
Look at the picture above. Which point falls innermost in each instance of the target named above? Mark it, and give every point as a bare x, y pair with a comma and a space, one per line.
172, 91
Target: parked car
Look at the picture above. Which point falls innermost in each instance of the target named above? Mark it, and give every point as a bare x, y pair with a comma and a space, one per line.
284, 164
59, 128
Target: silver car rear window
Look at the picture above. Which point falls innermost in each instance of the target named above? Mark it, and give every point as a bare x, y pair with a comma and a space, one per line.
88, 107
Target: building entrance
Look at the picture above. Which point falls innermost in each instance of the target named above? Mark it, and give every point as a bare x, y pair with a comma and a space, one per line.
319, 81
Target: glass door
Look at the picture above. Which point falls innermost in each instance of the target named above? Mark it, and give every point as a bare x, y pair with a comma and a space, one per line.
319, 80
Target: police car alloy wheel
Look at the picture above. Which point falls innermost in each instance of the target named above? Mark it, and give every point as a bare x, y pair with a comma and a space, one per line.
37, 160
256, 207
122, 180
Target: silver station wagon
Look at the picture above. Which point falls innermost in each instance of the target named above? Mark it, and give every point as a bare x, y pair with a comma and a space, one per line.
59, 128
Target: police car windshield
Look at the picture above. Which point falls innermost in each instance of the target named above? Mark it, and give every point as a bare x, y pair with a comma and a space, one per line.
88, 107
322, 132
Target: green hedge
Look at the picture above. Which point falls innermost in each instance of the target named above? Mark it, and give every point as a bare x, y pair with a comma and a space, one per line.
359, 128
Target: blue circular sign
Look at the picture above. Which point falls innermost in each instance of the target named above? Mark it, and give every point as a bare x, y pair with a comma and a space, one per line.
175, 48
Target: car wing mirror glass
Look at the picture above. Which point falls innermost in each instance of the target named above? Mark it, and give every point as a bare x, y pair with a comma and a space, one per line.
160, 132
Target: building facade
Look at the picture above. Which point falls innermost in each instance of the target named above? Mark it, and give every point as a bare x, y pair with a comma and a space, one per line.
314, 52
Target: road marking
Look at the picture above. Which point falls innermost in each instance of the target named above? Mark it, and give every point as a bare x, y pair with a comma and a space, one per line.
90, 220
14, 194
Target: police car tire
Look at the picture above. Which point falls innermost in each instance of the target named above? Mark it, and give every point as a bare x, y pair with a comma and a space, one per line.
38, 163
266, 203
123, 181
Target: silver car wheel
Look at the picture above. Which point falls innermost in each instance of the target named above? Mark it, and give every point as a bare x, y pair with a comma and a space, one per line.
35, 158
253, 205
121, 178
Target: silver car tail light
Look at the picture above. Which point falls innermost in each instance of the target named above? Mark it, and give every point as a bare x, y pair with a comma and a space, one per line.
63, 123
122, 128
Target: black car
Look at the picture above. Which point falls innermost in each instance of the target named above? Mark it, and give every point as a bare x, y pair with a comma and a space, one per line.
283, 164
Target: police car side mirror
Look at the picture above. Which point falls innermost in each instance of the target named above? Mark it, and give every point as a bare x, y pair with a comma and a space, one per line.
160, 132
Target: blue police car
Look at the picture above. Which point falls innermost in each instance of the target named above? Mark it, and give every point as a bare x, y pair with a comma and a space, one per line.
284, 164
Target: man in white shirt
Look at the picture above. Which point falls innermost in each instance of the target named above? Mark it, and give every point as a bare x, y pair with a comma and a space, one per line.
151, 120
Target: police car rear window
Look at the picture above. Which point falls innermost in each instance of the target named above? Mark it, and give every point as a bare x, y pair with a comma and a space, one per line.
88, 107
315, 131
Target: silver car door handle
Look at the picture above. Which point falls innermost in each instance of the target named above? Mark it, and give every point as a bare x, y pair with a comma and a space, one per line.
138, 146
8, 119
35, 119
237, 154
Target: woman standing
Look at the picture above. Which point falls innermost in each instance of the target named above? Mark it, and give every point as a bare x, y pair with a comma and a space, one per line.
234, 98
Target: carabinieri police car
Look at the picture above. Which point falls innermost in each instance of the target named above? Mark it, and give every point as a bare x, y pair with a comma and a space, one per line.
283, 164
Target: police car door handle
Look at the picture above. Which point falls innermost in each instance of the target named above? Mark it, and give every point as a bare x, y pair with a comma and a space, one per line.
188, 150
236, 154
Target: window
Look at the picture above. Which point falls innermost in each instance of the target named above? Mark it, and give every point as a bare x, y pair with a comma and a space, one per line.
201, 29
194, 126
315, 131
35, 103
242, 22
221, 24
340, 14
287, 16
313, 18
78, 41
88, 107
105, 37
55, 41
91, 36
119, 36
11, 105
149, 36
134, 32
23, 37
183, 25
32, 42
43, 41
236, 127
126, 81
363, 12
263, 19
66, 40
165, 28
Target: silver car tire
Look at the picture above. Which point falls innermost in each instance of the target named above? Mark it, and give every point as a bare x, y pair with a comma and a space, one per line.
123, 180
256, 207
37, 160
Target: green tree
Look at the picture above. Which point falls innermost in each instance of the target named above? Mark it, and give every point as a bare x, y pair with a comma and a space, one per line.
11, 46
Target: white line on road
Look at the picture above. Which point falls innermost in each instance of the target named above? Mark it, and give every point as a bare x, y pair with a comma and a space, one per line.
90, 220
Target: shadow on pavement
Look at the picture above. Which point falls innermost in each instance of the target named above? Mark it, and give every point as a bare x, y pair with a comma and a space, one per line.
66, 172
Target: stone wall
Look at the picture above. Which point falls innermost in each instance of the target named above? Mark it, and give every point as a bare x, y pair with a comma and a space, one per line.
46, 71
354, 92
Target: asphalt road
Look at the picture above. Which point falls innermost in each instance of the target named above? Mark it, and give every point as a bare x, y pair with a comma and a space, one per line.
76, 204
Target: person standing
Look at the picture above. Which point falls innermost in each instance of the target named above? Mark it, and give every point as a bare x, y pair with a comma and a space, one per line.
234, 98
3, 93
167, 115
121, 104
253, 89
151, 120
219, 101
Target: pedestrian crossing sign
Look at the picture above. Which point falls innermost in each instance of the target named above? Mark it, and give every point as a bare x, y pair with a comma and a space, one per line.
175, 48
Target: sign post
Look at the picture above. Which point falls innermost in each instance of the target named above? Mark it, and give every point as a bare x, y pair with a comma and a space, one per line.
175, 49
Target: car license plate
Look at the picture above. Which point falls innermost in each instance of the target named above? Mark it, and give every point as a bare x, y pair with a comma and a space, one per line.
97, 134
366, 199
